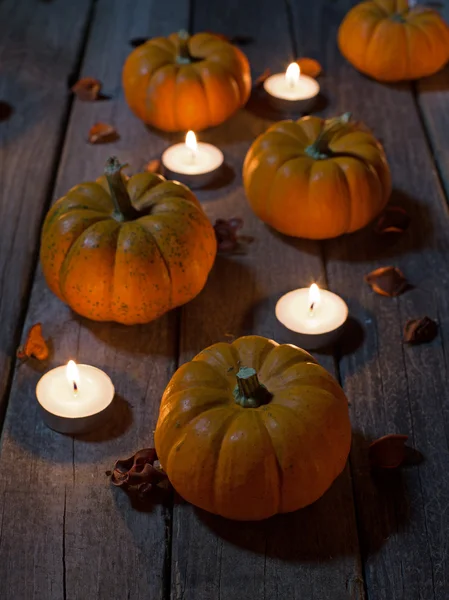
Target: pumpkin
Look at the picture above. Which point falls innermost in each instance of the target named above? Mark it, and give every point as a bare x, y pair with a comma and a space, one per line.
127, 250
253, 428
181, 82
390, 41
317, 179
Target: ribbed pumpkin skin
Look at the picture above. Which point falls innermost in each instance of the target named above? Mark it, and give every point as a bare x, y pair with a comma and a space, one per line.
316, 198
179, 97
251, 463
127, 271
390, 42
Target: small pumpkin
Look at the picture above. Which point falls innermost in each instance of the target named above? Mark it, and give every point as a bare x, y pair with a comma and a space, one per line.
181, 82
317, 179
127, 250
253, 428
390, 40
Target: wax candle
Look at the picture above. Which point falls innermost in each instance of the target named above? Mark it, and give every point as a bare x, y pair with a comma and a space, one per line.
75, 398
192, 162
316, 316
292, 91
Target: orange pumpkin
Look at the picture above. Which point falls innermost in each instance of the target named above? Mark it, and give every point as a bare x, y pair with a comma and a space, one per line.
390, 41
127, 250
181, 82
317, 179
253, 428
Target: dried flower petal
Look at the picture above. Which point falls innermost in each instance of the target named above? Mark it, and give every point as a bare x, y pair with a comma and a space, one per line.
138, 470
153, 166
387, 281
260, 80
6, 110
87, 89
34, 346
419, 331
393, 220
138, 41
309, 66
102, 133
388, 452
227, 239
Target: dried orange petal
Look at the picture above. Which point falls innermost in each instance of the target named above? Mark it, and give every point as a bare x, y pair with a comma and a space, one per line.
309, 66
35, 345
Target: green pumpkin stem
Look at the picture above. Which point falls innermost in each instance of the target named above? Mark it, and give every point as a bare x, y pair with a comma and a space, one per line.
184, 56
124, 210
249, 392
320, 147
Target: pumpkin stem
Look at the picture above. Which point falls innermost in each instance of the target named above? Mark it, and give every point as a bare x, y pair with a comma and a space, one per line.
320, 147
249, 392
184, 57
124, 210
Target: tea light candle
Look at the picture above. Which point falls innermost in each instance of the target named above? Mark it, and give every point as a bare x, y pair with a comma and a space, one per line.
194, 163
317, 316
75, 398
292, 91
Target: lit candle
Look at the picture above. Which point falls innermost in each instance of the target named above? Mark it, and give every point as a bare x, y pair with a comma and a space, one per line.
317, 316
291, 90
75, 398
194, 163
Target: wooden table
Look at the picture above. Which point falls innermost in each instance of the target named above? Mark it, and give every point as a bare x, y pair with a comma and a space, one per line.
65, 533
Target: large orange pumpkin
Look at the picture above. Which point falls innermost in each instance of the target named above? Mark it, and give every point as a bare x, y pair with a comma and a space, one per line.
391, 41
253, 428
317, 179
127, 250
180, 82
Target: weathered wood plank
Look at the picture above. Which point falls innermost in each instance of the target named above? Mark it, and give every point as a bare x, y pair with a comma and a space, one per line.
403, 521
39, 48
312, 553
96, 544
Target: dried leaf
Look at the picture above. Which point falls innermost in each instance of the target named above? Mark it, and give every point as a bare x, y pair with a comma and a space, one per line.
102, 133
419, 331
35, 346
138, 41
138, 471
387, 281
310, 67
87, 89
153, 166
393, 220
388, 452
260, 80
6, 110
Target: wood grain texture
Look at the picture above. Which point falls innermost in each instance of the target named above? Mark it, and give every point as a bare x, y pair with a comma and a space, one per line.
91, 543
403, 521
39, 49
314, 552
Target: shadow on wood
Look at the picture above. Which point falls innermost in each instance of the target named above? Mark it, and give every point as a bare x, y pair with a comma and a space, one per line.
366, 245
319, 532
134, 339
259, 104
120, 421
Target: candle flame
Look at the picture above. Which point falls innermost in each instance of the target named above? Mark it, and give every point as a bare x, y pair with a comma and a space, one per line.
73, 375
191, 142
314, 297
292, 74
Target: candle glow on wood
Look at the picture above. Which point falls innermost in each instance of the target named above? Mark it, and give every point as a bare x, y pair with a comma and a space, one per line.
192, 144
192, 157
73, 375
292, 74
291, 85
317, 316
